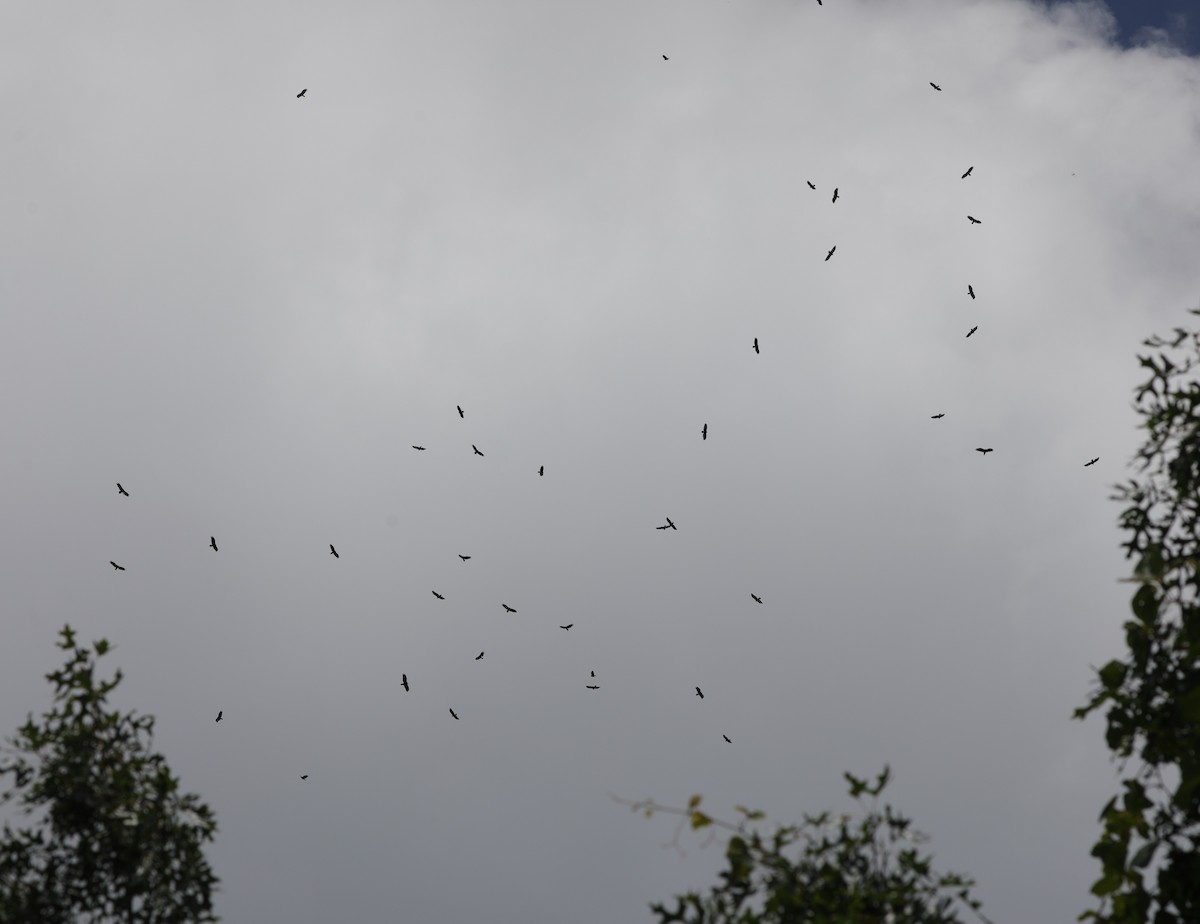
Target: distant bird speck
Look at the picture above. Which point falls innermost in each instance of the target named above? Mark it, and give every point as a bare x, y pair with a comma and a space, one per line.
507, 607
404, 682
835, 194
220, 713
934, 85
465, 557
333, 551
479, 657
937, 416
212, 543
668, 525
567, 626
756, 350
439, 596
419, 448
698, 693
301, 93
116, 566
971, 291
665, 58
460, 413
1093, 462
830, 254
304, 776
541, 471
981, 449
476, 448
121, 490
453, 713
756, 598
704, 432
726, 737
968, 173
973, 220
591, 687
810, 185
972, 330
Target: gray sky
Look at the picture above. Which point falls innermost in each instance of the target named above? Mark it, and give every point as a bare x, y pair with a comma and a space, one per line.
247, 307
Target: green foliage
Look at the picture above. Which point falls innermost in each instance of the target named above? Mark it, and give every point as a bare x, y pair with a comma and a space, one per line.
113, 839
870, 873
1153, 695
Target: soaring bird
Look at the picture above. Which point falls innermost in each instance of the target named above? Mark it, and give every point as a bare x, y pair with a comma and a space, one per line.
304, 776
404, 682
810, 185
115, 565
756, 598
704, 432
219, 714
1093, 462
830, 254
834, 199
121, 490
419, 448
212, 542
938, 416
972, 330
756, 350
971, 291
974, 221
453, 713
669, 525
541, 470
968, 173
464, 557
726, 737
567, 626
507, 607
984, 451
476, 448
301, 93
591, 687
934, 85
460, 413
480, 657
698, 693
665, 58
439, 596
333, 551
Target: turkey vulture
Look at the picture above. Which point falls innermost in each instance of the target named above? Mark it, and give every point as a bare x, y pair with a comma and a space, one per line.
698, 693
121, 490
115, 565
333, 551
567, 626
460, 413
419, 448
981, 449
301, 93
756, 345
219, 714
404, 682
756, 598
464, 557
480, 658
968, 173
972, 330
507, 607
304, 776
590, 687
541, 470
453, 713
937, 416
439, 596
971, 291
726, 737
704, 432
212, 542
476, 448
934, 85
1093, 462
974, 221
834, 199
830, 254
810, 185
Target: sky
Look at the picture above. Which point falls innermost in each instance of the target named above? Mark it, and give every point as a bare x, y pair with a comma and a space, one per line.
247, 308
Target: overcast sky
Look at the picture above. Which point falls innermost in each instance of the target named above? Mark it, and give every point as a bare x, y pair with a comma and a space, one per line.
248, 307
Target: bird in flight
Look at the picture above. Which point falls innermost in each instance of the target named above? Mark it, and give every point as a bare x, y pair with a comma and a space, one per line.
698, 693
756, 598
480, 657
460, 413
121, 490
665, 58
304, 776
567, 626
476, 448
404, 682
968, 173
212, 542
971, 291
219, 714
726, 737
972, 330
834, 199
419, 448
593, 673
453, 713
507, 607
756, 350
541, 470
301, 93
439, 596
464, 557
1093, 462
333, 551
830, 254
591, 687
669, 525
974, 221
704, 432
115, 565
981, 449
810, 185
934, 85
937, 416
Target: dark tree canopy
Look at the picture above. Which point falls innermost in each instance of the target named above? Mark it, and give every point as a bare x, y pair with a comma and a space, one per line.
110, 837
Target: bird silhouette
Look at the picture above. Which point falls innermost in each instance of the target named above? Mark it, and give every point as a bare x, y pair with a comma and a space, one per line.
301, 93
220, 713
984, 451
333, 551
834, 199
726, 737
567, 626
934, 85
756, 598
968, 173
1093, 462
507, 607
115, 565
974, 221
304, 776
419, 448
665, 58
704, 432
480, 657
212, 542
830, 254
937, 416
593, 673
476, 448
453, 713
121, 490
591, 687
971, 291
698, 693
810, 185
439, 596
464, 557
404, 682
541, 470
972, 330
756, 350
460, 413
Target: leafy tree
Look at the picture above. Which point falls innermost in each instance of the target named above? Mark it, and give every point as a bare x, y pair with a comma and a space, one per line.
1153, 694
871, 873
113, 839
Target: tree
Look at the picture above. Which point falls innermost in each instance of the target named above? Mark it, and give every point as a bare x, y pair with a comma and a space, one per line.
1153, 694
113, 839
872, 873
